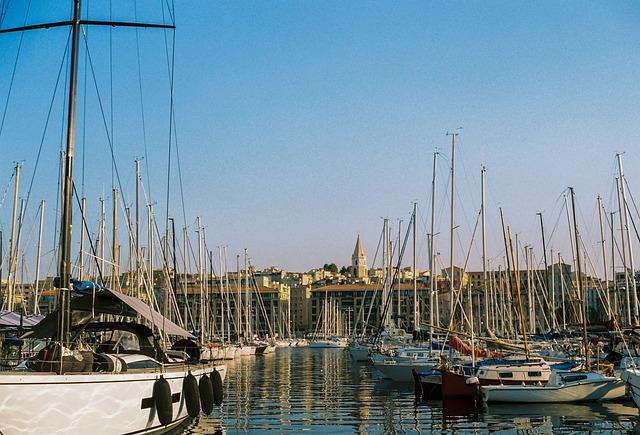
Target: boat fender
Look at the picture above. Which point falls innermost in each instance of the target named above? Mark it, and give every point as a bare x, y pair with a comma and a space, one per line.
216, 380
206, 394
472, 380
162, 401
191, 395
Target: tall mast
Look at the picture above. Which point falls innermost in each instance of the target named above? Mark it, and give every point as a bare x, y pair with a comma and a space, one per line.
137, 235
246, 295
114, 245
416, 321
483, 172
624, 251
546, 264
13, 250
625, 211
83, 211
613, 267
452, 226
200, 278
64, 302
102, 230
604, 254
36, 296
581, 291
433, 295
398, 272
554, 321
150, 244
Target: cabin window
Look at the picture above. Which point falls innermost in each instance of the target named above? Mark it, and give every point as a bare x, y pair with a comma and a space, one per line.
143, 364
573, 378
534, 374
505, 374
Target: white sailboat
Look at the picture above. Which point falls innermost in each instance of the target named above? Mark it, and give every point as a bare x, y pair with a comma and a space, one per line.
68, 389
563, 387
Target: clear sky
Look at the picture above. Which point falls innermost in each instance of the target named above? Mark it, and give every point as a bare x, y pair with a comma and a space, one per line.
301, 123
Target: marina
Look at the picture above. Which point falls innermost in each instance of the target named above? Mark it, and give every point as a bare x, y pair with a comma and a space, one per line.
153, 282
321, 390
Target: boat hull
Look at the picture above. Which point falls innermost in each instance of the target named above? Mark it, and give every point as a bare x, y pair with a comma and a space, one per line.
402, 371
583, 392
32, 402
328, 344
632, 378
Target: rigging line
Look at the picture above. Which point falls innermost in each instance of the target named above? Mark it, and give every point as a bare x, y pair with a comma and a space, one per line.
633, 222
175, 140
46, 124
13, 72
170, 63
144, 128
171, 10
555, 226
104, 120
4, 8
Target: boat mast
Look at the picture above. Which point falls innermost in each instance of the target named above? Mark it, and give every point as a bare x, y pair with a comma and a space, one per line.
416, 320
433, 295
64, 302
137, 236
613, 267
581, 291
201, 279
601, 217
625, 211
36, 296
83, 212
546, 264
483, 172
452, 226
114, 246
13, 250
624, 251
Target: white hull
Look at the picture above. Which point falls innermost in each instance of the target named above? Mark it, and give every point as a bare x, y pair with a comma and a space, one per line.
230, 352
401, 371
246, 350
632, 378
46, 403
333, 344
608, 389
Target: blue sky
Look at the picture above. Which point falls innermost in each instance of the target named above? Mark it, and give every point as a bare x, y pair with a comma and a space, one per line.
300, 124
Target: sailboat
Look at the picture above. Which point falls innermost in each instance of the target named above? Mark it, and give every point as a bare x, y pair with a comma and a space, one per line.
120, 386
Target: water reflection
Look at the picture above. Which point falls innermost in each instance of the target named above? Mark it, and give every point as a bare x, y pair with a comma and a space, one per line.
322, 391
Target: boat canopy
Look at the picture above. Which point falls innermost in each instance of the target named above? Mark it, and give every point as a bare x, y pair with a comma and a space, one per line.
91, 299
11, 320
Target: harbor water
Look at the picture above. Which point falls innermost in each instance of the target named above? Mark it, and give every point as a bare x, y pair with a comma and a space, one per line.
315, 391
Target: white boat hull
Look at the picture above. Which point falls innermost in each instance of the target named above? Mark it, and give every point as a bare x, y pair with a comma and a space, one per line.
583, 392
402, 371
44, 403
332, 344
631, 377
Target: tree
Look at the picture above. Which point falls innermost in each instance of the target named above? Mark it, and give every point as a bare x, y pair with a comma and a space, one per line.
330, 268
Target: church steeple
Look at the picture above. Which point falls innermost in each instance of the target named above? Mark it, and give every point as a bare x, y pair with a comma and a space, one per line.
359, 260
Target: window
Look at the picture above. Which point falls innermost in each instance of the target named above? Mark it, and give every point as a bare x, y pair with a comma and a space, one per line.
143, 364
574, 378
534, 374
505, 374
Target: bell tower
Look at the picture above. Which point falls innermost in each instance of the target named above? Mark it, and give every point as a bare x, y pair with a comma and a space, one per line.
359, 260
